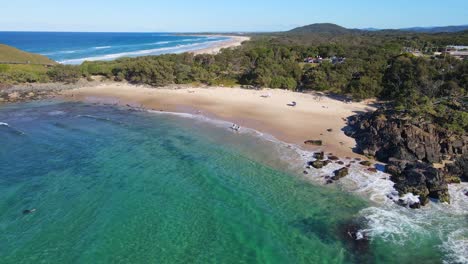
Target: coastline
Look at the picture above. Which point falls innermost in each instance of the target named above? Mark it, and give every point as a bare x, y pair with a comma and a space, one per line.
385, 219
313, 118
233, 41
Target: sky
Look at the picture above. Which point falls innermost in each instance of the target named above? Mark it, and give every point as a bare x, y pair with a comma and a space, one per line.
224, 16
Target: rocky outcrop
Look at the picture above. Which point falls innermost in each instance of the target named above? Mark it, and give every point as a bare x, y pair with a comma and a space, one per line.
384, 134
458, 169
38, 91
410, 147
418, 178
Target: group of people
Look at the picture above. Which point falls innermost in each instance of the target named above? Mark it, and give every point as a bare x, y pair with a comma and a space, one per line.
235, 127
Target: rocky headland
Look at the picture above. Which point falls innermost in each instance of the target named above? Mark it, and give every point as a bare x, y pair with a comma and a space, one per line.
422, 157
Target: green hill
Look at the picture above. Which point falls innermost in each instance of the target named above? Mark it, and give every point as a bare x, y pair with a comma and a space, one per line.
13, 55
322, 28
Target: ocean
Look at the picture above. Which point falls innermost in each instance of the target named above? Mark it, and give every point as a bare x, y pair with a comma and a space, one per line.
86, 183
74, 48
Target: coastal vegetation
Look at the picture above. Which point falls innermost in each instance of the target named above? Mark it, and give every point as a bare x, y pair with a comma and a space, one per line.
377, 64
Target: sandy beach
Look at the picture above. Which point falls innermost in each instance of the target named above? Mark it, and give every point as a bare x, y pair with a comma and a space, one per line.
265, 110
234, 41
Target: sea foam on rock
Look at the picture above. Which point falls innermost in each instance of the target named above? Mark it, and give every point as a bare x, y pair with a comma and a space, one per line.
403, 142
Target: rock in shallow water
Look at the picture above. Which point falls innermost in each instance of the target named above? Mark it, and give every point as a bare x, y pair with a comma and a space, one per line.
314, 142
318, 164
319, 155
341, 173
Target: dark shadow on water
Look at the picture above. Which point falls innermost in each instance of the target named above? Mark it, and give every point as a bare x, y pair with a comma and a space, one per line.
347, 233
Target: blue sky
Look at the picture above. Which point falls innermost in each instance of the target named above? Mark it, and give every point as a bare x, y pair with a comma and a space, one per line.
211, 15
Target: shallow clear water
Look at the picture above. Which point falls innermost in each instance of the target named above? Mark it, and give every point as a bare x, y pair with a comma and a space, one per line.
76, 47
111, 185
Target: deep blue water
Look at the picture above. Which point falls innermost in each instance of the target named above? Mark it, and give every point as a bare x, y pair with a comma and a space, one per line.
75, 47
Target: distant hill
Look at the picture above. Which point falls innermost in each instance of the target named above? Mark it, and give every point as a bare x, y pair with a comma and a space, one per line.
333, 29
322, 28
13, 55
447, 29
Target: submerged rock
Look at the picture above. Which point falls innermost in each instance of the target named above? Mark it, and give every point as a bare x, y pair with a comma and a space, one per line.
333, 157
29, 211
356, 241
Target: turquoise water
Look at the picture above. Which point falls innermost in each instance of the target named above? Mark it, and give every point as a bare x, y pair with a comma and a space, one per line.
111, 185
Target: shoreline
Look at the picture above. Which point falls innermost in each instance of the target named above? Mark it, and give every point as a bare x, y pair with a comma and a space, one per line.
265, 110
384, 217
232, 42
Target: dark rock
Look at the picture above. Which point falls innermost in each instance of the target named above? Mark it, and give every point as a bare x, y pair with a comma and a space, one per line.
333, 158
410, 146
459, 168
314, 142
366, 163
29, 211
356, 241
385, 134
418, 178
415, 206
305, 172
329, 181
340, 162
341, 173
318, 164
330, 130
319, 155
374, 170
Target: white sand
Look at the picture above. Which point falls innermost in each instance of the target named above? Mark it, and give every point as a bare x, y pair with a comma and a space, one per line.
233, 41
310, 119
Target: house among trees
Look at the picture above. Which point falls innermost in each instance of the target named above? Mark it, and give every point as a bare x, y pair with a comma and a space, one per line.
319, 60
459, 52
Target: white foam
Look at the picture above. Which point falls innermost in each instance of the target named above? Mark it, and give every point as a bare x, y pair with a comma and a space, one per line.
386, 219
61, 52
456, 247
160, 42
103, 47
56, 113
12, 128
176, 49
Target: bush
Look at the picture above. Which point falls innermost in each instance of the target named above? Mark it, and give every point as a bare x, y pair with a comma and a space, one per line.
65, 73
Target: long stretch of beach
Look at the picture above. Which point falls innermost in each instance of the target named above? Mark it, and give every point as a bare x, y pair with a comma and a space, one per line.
313, 118
233, 41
